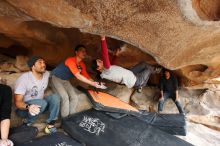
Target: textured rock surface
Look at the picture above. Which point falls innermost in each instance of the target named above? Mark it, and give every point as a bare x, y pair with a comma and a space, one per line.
207, 10
178, 34
182, 35
196, 131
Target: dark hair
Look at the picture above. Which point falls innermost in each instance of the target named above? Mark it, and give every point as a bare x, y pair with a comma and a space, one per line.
94, 65
166, 70
79, 46
31, 61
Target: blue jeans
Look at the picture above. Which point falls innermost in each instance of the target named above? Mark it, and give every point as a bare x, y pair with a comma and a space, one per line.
52, 103
167, 95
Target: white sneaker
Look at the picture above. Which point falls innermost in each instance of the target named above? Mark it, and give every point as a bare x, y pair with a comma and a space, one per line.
139, 90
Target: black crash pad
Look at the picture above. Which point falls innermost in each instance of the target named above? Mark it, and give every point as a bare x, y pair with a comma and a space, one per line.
22, 134
174, 124
55, 139
95, 128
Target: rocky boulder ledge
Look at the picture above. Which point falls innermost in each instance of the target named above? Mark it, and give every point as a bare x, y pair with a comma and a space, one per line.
181, 35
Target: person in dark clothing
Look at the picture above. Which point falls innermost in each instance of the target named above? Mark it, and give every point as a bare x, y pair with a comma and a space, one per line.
169, 89
5, 114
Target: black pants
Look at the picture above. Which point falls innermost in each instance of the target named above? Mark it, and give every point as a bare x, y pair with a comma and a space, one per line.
142, 71
5, 102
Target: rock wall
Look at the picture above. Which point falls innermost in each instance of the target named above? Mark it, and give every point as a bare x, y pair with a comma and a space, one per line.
207, 10
180, 35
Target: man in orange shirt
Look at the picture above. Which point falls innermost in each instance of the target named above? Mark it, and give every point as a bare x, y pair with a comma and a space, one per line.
73, 66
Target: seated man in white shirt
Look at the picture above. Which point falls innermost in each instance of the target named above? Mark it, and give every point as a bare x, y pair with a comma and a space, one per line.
29, 95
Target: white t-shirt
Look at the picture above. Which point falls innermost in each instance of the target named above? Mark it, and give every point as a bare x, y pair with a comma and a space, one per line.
30, 87
119, 75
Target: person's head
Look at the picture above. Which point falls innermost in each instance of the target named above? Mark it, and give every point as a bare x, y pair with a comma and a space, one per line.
37, 64
97, 65
167, 73
80, 51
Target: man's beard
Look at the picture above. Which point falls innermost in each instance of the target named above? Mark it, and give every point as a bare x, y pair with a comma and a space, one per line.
41, 71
